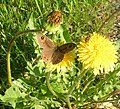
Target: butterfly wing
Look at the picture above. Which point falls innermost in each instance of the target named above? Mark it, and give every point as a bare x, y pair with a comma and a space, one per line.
57, 56
65, 48
52, 53
47, 55
45, 42
47, 47
59, 52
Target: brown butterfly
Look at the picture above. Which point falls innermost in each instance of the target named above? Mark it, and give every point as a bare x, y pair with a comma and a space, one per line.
51, 52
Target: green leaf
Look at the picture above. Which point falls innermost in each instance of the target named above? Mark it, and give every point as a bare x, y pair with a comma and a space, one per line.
11, 95
43, 89
31, 22
66, 34
57, 87
39, 107
95, 97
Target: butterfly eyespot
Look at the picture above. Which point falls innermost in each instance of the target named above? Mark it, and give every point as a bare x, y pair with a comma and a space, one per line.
44, 57
42, 37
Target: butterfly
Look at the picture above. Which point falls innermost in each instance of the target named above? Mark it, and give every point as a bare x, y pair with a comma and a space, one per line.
51, 52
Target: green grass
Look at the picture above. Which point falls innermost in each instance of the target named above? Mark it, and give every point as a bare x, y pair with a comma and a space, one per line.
31, 83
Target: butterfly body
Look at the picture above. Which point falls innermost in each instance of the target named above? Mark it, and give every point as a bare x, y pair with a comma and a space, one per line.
51, 52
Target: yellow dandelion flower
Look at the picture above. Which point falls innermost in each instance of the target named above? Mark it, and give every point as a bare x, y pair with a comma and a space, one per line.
97, 52
65, 65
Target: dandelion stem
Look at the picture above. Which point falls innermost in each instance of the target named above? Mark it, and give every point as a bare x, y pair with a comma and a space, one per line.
68, 102
49, 86
8, 53
8, 61
62, 98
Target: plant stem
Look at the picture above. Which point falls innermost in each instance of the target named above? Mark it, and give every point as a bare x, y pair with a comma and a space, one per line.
8, 61
49, 86
60, 97
8, 53
68, 102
